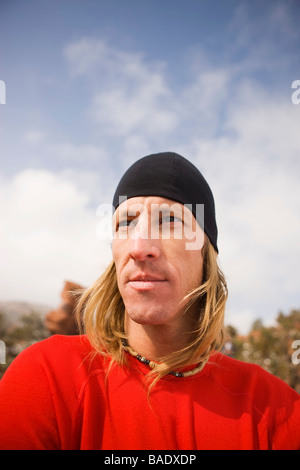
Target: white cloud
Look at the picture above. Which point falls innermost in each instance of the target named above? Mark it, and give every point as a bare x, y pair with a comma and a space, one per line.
83, 55
254, 172
201, 100
131, 94
65, 151
34, 136
48, 234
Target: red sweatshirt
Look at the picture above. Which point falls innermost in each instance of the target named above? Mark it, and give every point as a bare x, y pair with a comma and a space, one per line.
54, 397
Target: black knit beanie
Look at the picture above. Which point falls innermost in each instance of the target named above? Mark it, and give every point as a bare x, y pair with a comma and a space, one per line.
171, 176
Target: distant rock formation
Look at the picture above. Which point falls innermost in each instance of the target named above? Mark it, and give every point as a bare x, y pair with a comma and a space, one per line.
62, 320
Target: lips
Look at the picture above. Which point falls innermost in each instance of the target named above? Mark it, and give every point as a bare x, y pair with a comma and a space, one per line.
146, 277
145, 281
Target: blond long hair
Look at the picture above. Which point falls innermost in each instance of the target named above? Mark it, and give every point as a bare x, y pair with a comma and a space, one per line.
101, 315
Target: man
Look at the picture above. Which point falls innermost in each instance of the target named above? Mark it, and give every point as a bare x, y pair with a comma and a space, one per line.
147, 373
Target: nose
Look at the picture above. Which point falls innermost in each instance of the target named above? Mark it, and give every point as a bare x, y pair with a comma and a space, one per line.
142, 249
142, 246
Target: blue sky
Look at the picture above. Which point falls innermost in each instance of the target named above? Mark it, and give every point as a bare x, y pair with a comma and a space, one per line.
91, 86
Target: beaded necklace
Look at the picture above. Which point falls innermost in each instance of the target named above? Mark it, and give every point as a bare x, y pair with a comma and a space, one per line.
153, 364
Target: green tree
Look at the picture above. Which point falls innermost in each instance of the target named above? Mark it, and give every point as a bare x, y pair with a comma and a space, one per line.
29, 330
272, 347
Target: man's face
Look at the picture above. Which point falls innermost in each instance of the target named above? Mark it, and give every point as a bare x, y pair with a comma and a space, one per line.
155, 269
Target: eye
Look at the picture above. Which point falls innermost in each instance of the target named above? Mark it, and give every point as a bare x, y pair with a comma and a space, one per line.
170, 219
124, 223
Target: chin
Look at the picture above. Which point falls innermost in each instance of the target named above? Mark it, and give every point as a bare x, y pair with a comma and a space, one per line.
156, 317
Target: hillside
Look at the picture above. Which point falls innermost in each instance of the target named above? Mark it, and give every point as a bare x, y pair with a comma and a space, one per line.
14, 310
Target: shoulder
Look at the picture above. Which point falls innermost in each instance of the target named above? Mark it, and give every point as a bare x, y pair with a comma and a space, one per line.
272, 404
57, 355
57, 366
57, 345
58, 348
39, 392
246, 378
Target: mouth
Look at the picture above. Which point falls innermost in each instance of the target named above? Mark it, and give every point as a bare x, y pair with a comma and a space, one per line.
145, 282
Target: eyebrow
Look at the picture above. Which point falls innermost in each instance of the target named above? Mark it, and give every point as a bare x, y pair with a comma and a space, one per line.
157, 208
125, 213
121, 213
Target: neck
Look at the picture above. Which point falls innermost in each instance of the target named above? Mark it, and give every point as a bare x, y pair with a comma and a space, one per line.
154, 341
